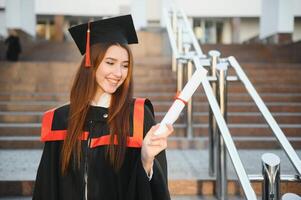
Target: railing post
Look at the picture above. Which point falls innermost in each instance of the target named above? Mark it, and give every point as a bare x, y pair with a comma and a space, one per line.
290, 196
188, 73
271, 177
214, 57
221, 164
174, 28
189, 103
180, 77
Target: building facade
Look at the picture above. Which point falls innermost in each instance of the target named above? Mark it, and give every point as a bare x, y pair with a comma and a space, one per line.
214, 21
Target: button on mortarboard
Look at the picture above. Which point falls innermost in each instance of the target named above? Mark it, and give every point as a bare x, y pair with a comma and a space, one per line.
116, 29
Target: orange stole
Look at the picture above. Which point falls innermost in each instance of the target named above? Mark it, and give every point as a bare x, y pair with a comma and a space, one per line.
135, 141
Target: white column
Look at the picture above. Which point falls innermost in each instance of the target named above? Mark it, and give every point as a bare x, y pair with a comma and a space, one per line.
277, 16
20, 14
3, 31
138, 10
236, 29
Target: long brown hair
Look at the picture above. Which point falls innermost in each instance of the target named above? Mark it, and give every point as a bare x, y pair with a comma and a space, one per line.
82, 92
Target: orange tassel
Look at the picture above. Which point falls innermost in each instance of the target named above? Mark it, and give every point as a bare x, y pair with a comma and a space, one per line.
88, 60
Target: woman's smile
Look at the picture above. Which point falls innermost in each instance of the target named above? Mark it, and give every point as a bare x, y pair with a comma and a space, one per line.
113, 81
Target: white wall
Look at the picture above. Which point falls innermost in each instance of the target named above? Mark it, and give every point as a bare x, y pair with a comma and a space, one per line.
221, 8
248, 28
286, 16
227, 32
2, 3
20, 14
79, 7
138, 10
196, 8
297, 31
277, 17
28, 17
3, 31
153, 10
13, 13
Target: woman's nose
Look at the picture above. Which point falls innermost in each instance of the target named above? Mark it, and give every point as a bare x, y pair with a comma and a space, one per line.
118, 71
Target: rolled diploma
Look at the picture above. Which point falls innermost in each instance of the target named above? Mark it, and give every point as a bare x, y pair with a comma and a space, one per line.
174, 111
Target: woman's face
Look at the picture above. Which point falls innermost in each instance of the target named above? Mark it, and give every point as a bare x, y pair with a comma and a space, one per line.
113, 69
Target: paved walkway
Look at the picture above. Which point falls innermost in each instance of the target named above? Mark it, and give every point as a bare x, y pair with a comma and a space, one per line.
182, 164
173, 198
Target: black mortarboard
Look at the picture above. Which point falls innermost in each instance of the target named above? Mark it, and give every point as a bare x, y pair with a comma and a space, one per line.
116, 29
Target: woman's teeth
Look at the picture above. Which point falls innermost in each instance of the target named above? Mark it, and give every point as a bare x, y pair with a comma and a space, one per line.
114, 82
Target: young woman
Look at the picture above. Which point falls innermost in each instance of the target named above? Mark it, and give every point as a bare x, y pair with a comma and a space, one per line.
102, 144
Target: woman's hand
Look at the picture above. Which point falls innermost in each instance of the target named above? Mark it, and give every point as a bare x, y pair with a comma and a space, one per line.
153, 145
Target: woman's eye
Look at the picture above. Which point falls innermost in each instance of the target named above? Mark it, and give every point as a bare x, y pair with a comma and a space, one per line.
110, 63
125, 66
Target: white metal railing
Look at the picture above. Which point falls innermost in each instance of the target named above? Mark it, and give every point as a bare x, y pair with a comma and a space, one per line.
188, 53
195, 57
287, 147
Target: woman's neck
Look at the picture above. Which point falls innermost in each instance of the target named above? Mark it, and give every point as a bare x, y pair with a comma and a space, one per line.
102, 99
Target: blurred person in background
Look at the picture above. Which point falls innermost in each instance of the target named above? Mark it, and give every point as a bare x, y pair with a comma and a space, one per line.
13, 46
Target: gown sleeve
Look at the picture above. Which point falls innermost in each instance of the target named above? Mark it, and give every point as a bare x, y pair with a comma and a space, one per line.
46, 184
157, 187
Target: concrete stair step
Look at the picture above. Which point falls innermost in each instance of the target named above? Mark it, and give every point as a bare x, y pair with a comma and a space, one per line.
16, 96
187, 172
160, 106
200, 129
201, 197
237, 107
270, 66
179, 197
262, 88
233, 117
155, 96
16, 198
273, 72
147, 87
240, 118
174, 142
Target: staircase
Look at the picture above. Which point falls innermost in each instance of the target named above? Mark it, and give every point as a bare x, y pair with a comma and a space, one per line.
29, 88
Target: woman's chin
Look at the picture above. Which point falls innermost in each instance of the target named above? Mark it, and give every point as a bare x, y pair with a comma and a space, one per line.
110, 90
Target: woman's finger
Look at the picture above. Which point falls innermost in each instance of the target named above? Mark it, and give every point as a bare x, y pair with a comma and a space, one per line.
170, 128
152, 130
159, 143
166, 133
159, 137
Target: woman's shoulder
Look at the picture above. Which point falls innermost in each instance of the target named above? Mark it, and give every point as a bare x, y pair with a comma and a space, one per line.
61, 110
57, 116
147, 104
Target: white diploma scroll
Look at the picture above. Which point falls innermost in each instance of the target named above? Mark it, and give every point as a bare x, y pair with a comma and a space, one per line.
174, 111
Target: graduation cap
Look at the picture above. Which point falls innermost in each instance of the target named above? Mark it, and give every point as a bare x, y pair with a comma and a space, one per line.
116, 29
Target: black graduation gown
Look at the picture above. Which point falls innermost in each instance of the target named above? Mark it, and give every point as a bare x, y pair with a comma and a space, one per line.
13, 48
130, 183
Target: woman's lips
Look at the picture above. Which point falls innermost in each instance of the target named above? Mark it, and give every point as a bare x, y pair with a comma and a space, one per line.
113, 81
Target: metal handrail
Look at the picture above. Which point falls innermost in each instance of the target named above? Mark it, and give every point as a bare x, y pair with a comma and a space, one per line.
239, 169
225, 132
287, 147
171, 37
194, 41
199, 60
282, 139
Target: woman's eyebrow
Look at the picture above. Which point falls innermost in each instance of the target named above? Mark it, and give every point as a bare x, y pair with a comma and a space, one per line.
111, 58
116, 59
